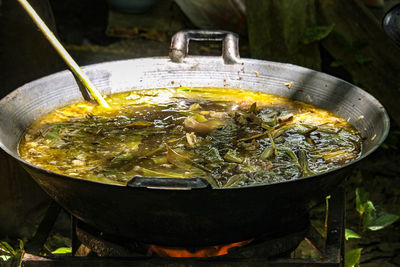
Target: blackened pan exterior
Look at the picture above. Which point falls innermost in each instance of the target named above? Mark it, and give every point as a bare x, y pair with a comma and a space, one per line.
194, 217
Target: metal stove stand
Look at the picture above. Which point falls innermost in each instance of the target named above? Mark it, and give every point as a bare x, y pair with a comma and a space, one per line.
333, 256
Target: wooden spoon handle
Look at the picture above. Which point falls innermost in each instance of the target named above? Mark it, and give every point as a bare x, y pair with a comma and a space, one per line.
82, 77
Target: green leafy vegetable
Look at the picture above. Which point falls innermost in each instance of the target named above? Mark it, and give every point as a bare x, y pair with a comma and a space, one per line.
235, 179
253, 108
232, 156
267, 153
305, 169
215, 133
184, 162
293, 156
121, 159
254, 136
54, 133
271, 140
211, 181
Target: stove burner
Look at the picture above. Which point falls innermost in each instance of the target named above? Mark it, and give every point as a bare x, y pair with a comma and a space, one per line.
262, 246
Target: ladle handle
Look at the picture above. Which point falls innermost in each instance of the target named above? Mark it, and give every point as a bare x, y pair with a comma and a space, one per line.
168, 183
76, 70
180, 44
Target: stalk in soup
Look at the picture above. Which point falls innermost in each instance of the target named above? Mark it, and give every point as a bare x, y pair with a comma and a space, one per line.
229, 137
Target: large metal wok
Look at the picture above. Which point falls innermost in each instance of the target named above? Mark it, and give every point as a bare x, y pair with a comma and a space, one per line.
146, 209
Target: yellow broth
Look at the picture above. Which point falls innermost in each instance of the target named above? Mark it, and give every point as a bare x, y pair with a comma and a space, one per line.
229, 137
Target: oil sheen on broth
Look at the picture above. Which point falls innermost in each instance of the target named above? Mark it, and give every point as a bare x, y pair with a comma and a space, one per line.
228, 137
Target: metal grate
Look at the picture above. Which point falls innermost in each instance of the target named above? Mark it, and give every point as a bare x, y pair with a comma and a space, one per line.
334, 250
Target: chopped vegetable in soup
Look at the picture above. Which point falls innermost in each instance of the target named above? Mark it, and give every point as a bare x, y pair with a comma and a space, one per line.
229, 137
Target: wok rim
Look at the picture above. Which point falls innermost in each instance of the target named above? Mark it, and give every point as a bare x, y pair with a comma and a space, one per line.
385, 120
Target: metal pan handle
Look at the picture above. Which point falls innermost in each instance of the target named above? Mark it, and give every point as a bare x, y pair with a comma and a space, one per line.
180, 44
168, 183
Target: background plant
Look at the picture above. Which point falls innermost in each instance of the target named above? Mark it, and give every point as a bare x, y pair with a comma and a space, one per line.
372, 218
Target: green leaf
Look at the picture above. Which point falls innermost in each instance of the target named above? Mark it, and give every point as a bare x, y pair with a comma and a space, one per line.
361, 199
232, 156
54, 133
369, 214
353, 257
10, 255
351, 234
63, 250
4, 258
316, 33
253, 108
184, 162
121, 159
381, 220
4, 246
235, 179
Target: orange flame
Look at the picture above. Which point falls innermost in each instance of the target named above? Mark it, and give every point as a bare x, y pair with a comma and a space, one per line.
211, 251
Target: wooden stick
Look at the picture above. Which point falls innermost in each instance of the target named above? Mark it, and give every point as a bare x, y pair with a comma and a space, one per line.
83, 78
